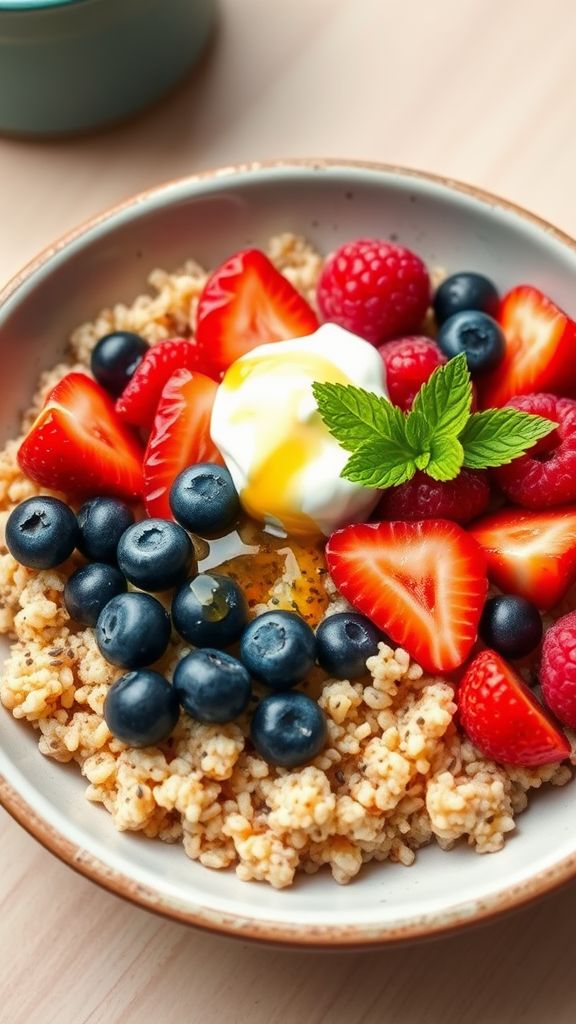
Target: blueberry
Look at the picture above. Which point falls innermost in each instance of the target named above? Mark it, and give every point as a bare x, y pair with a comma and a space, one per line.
344, 642
465, 291
115, 357
102, 522
476, 334
41, 532
279, 649
204, 500
510, 625
209, 611
212, 686
133, 630
288, 729
89, 589
156, 554
141, 708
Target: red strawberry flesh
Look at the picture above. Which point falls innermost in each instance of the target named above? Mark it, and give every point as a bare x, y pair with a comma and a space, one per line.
138, 402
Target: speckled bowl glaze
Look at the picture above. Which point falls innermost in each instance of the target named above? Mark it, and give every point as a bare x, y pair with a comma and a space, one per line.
75, 65
208, 217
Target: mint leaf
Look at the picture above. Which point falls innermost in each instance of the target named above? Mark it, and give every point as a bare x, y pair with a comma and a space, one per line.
354, 416
446, 458
442, 406
381, 462
498, 436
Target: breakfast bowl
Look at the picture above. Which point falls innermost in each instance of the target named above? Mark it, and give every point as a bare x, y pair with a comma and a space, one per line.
107, 262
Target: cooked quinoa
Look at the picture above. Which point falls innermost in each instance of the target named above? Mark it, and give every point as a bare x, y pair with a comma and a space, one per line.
395, 774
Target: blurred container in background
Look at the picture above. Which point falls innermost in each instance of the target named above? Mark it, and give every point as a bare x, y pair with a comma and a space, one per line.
72, 65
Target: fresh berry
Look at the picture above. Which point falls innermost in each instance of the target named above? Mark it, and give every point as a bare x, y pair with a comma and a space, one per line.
278, 649
422, 583
141, 708
288, 729
209, 611
212, 686
460, 500
344, 641
540, 343
115, 358
477, 335
41, 532
558, 669
375, 289
78, 444
532, 554
180, 436
247, 302
546, 475
138, 402
503, 718
102, 522
409, 362
156, 554
464, 291
204, 500
133, 630
511, 625
89, 589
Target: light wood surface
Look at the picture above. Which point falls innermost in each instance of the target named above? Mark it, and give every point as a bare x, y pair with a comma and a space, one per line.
482, 90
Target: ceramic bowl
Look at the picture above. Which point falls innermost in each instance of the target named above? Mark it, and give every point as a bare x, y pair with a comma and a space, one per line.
208, 217
72, 65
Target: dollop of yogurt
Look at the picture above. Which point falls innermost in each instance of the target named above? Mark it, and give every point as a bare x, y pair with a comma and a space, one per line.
284, 462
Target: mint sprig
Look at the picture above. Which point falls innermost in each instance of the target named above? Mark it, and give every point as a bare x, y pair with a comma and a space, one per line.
439, 435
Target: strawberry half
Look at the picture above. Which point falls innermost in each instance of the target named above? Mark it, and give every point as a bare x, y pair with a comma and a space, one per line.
423, 583
179, 438
503, 718
80, 446
138, 402
532, 554
247, 302
540, 346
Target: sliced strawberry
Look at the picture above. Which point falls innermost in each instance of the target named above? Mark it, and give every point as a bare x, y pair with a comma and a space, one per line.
180, 436
80, 446
138, 402
532, 554
247, 302
503, 718
423, 583
540, 349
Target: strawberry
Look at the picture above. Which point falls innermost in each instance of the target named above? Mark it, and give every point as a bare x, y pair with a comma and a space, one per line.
422, 583
503, 718
247, 302
532, 554
540, 344
138, 402
79, 445
180, 436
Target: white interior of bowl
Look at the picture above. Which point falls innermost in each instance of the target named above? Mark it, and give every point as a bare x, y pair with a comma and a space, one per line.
208, 219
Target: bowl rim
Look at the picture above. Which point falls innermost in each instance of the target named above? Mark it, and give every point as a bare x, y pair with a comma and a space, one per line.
281, 933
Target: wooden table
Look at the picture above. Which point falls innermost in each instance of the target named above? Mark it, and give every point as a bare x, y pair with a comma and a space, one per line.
481, 90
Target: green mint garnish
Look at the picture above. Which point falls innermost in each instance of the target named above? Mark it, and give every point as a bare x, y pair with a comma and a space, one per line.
438, 436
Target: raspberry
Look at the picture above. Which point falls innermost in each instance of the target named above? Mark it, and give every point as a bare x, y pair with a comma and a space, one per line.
546, 475
409, 363
375, 289
558, 669
460, 500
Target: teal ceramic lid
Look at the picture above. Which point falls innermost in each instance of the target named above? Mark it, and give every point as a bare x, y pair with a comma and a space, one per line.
34, 5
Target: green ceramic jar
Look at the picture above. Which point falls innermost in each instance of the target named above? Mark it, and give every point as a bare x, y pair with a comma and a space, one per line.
71, 65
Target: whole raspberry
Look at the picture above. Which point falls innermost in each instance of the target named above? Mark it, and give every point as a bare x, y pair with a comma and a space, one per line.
375, 289
409, 363
558, 669
460, 500
546, 475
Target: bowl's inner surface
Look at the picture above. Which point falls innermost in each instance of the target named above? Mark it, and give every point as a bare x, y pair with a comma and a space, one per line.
208, 220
